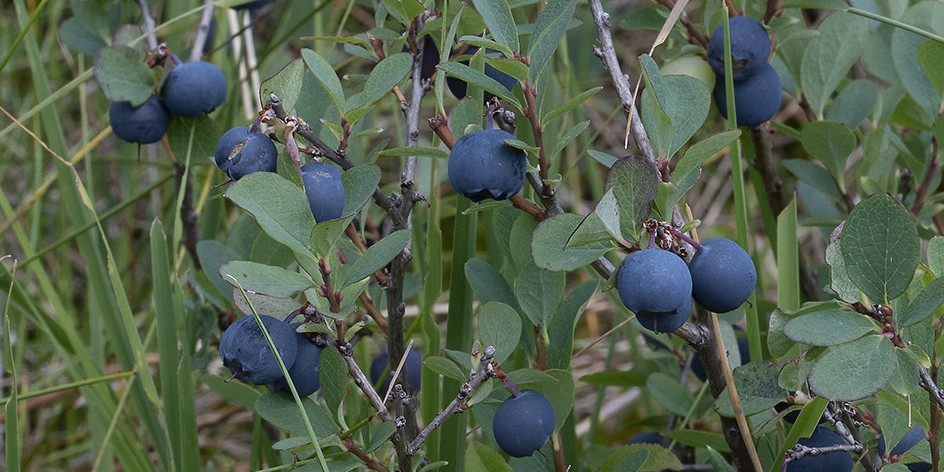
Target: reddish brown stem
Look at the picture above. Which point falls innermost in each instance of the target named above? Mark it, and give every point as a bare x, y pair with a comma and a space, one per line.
366, 459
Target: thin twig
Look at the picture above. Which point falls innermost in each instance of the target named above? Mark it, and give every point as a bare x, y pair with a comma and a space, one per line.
607, 53
485, 371
148, 24
800, 451
196, 52
363, 456
928, 383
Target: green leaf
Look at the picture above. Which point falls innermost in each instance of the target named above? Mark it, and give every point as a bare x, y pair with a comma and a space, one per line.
550, 28
655, 117
905, 379
482, 458
488, 43
602, 157
404, 10
418, 151
905, 47
854, 370
670, 393
445, 368
387, 73
359, 184
696, 438
189, 136
379, 434
830, 142
634, 182
499, 326
286, 84
265, 279
757, 386
326, 75
880, 246
213, 254
839, 278
566, 138
560, 329
78, 38
539, 292
830, 54
479, 79
642, 458
829, 327
814, 175
854, 103
699, 152
377, 256
279, 206
332, 373
550, 249
931, 56
123, 76
281, 410
488, 284
498, 18
325, 235
936, 255
569, 105
685, 101
923, 305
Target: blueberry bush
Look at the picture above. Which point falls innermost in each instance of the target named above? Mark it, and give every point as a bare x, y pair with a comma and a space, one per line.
489, 235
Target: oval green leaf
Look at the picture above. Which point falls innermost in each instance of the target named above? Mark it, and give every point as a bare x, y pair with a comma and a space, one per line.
854, 370
829, 327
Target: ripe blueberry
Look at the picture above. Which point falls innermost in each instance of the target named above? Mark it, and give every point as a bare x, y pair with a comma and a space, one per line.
324, 190
750, 47
412, 371
194, 88
523, 423
646, 437
482, 166
657, 287
911, 439
723, 275
756, 98
145, 124
838, 461
459, 88
241, 151
246, 353
304, 370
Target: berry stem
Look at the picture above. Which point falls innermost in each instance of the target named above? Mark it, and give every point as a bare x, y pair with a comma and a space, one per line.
685, 237
508, 383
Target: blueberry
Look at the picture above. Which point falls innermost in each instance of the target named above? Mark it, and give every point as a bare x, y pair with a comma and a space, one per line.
910, 440
304, 370
646, 437
253, 5
523, 424
412, 369
459, 88
145, 124
246, 353
838, 461
255, 153
325, 192
698, 368
194, 88
750, 48
482, 166
756, 99
657, 287
723, 275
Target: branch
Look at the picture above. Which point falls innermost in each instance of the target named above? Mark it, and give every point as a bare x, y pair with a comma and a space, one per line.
148, 24
800, 451
196, 51
607, 53
485, 371
928, 383
368, 461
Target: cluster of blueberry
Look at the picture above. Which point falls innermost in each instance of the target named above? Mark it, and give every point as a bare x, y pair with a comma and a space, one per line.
190, 89
245, 351
658, 286
756, 83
